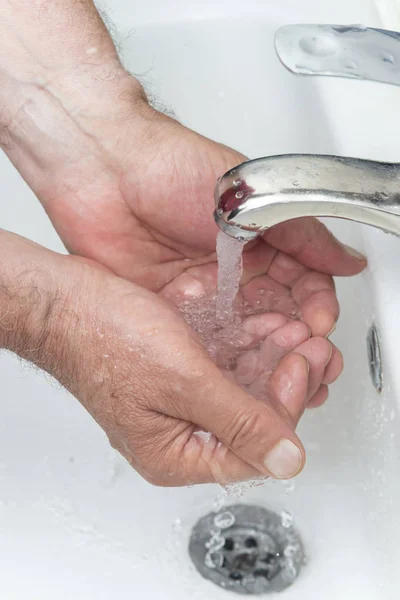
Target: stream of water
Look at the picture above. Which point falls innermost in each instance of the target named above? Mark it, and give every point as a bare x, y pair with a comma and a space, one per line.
230, 269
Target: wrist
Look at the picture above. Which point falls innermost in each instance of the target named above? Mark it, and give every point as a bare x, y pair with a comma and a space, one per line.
57, 130
61, 81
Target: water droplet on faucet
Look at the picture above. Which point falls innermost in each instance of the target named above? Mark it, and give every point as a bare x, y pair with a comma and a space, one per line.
319, 45
387, 58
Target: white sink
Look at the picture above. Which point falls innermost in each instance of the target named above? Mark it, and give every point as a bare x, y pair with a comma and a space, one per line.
75, 520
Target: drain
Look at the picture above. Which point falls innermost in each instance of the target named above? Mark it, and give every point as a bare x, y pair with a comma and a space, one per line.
259, 552
375, 358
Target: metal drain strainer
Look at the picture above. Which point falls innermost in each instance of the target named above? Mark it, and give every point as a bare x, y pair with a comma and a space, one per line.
259, 553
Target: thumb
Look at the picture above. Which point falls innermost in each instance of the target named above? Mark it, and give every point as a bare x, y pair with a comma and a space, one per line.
304, 239
250, 438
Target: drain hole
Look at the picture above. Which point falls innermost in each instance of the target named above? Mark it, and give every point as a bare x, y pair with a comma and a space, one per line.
235, 575
269, 559
244, 562
262, 573
251, 543
229, 544
261, 554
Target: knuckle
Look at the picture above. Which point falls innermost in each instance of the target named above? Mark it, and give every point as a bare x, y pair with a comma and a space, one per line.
244, 430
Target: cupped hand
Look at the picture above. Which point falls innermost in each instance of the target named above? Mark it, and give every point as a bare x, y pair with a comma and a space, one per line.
138, 198
146, 378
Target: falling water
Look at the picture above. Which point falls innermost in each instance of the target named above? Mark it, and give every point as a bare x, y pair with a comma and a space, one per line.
230, 268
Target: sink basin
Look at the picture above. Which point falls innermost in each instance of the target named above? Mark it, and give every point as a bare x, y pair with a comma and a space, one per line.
75, 520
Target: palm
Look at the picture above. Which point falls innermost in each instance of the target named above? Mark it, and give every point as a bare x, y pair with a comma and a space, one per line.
149, 218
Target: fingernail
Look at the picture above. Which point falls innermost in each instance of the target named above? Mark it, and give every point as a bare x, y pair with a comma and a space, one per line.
284, 460
353, 252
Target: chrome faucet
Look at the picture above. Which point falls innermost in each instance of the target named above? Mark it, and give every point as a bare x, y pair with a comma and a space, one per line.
264, 192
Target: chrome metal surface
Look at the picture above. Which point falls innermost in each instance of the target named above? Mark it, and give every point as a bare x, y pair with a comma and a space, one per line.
263, 192
375, 358
259, 553
353, 51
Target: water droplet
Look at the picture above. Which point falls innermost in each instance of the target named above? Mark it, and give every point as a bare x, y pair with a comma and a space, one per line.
350, 28
289, 572
214, 560
386, 57
219, 501
351, 65
240, 239
261, 291
177, 526
319, 45
296, 183
237, 182
224, 520
360, 27
215, 543
239, 195
287, 518
289, 485
290, 551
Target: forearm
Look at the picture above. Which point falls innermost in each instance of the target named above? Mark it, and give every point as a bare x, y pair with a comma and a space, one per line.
33, 316
60, 78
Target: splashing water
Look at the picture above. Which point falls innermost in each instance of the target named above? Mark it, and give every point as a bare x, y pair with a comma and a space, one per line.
230, 268
224, 520
287, 518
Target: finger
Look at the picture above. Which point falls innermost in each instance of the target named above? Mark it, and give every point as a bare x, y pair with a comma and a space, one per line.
257, 260
316, 297
319, 397
318, 352
288, 389
314, 246
334, 367
281, 342
289, 384
252, 430
252, 331
265, 294
254, 367
256, 328
285, 270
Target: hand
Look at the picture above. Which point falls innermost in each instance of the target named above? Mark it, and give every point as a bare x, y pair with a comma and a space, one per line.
122, 183
147, 215
144, 375
133, 189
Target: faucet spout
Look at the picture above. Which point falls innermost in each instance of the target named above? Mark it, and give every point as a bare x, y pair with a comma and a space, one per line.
261, 193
